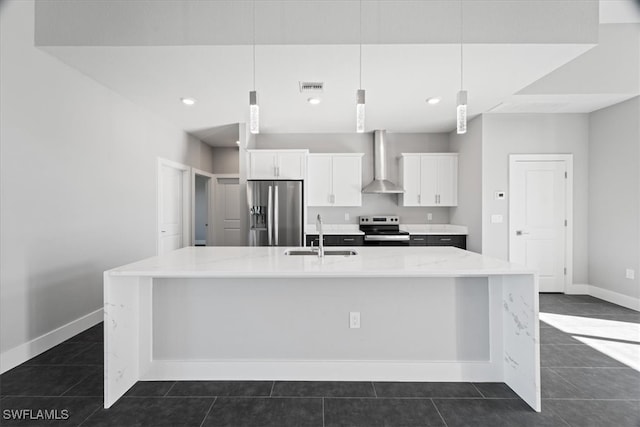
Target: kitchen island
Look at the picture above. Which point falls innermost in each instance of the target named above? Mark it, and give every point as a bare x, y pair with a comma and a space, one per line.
254, 313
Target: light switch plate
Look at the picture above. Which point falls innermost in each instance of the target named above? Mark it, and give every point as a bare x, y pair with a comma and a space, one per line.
347, 217
497, 219
429, 216
354, 320
630, 274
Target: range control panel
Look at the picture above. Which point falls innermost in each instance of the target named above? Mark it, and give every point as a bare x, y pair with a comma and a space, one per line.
380, 220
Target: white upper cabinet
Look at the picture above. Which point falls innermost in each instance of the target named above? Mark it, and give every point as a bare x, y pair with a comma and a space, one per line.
334, 179
429, 179
277, 164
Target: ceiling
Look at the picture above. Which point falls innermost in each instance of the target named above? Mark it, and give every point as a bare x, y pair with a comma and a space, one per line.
124, 46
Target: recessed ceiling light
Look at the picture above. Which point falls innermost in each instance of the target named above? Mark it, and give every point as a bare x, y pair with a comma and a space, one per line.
188, 101
313, 101
433, 101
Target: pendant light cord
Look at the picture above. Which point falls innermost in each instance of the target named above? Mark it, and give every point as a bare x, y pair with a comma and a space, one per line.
360, 39
254, 44
461, 47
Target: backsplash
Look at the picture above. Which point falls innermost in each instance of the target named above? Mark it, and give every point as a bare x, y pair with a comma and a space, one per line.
378, 204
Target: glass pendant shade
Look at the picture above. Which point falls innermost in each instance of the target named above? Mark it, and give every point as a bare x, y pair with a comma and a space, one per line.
254, 113
360, 111
461, 112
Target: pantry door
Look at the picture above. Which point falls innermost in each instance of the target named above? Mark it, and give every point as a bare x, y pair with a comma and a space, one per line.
173, 209
539, 218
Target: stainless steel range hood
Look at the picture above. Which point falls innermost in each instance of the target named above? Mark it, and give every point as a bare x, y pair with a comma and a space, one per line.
380, 183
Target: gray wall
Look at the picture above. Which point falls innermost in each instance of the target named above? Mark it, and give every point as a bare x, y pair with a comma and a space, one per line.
363, 143
225, 160
614, 197
90, 157
469, 209
506, 134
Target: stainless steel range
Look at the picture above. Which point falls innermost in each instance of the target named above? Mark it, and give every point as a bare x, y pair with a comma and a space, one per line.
383, 230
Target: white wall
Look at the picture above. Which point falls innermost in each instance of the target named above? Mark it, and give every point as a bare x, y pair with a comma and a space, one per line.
363, 143
505, 134
469, 209
614, 197
78, 183
225, 160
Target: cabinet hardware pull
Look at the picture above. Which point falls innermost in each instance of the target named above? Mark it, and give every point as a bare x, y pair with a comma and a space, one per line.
445, 240
420, 239
348, 240
419, 199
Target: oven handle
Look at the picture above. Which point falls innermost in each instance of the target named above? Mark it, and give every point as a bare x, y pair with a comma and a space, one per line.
374, 238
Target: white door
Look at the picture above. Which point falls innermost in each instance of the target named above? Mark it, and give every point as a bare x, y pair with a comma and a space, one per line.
170, 215
262, 165
227, 212
428, 180
319, 180
347, 181
447, 181
411, 181
290, 165
537, 220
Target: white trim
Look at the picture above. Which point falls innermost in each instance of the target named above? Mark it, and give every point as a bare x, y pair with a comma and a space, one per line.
615, 297
568, 161
577, 289
186, 202
20, 354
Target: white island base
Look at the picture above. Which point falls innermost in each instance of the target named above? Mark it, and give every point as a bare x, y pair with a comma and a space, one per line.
427, 314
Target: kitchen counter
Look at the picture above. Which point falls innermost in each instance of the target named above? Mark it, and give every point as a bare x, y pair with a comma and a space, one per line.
422, 229
253, 313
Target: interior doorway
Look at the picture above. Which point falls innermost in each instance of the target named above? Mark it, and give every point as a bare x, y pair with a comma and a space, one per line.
172, 207
541, 217
227, 210
203, 206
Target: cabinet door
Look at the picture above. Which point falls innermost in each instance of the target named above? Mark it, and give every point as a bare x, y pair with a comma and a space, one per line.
410, 180
347, 181
447, 181
456, 240
262, 165
428, 180
291, 165
319, 180
418, 240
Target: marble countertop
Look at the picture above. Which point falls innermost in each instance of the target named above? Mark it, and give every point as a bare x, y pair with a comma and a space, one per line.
271, 262
434, 229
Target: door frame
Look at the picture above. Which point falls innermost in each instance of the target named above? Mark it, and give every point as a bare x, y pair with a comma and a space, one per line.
210, 204
568, 244
216, 190
186, 183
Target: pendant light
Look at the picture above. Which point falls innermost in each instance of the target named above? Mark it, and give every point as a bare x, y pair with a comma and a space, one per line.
360, 91
254, 109
461, 109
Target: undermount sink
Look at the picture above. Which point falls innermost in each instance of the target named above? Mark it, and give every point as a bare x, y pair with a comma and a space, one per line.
347, 252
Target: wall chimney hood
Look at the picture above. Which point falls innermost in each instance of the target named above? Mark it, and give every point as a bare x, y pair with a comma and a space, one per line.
380, 183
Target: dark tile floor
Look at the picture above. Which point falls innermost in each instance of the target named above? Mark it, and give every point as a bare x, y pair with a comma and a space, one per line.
580, 387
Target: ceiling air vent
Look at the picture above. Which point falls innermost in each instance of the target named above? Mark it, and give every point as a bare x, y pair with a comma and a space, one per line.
311, 87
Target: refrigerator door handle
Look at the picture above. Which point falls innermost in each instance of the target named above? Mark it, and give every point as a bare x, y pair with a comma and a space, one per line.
270, 216
275, 216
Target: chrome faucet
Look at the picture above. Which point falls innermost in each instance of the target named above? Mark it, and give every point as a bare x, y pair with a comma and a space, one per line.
320, 236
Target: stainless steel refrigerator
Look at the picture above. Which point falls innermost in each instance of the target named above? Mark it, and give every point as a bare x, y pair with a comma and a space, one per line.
275, 213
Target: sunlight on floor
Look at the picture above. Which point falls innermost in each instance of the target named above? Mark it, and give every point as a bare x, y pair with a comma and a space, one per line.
618, 340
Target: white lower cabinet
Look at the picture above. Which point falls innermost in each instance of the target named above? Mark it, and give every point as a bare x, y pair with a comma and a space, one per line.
429, 179
334, 179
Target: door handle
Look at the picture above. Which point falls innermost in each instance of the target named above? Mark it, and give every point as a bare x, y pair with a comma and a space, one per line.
419, 199
270, 216
521, 232
275, 218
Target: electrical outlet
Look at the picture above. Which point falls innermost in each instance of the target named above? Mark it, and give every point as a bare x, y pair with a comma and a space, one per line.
429, 216
347, 217
354, 320
496, 219
631, 274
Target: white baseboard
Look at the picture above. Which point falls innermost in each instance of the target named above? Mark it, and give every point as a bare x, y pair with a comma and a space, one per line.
20, 354
615, 297
577, 289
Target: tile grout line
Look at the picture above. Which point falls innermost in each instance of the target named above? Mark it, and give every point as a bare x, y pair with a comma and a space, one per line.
323, 412
208, 411
273, 384
438, 411
90, 415
478, 390
170, 388
375, 393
